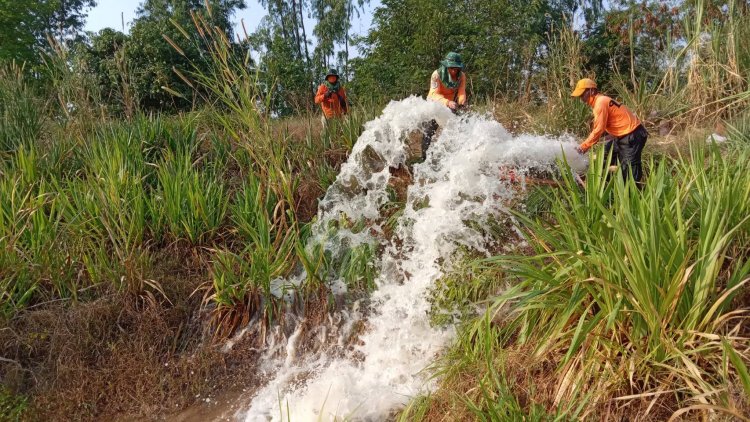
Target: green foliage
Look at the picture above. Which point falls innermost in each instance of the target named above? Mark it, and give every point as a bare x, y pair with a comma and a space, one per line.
499, 401
243, 282
416, 410
12, 407
17, 41
334, 21
151, 53
144, 70
410, 37
25, 26
458, 295
599, 274
192, 202
102, 204
21, 111
357, 267
111, 203
629, 292
283, 74
31, 217
699, 71
103, 59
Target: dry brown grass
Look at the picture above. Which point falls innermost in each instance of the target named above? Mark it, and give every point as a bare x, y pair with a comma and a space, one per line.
120, 354
534, 382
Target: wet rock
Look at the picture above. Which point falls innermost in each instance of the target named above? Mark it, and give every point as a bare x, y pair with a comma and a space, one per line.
372, 162
413, 146
350, 187
400, 181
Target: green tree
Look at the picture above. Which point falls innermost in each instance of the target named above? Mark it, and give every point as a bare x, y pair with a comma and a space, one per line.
154, 59
283, 35
67, 17
283, 72
632, 39
500, 40
25, 25
284, 48
102, 59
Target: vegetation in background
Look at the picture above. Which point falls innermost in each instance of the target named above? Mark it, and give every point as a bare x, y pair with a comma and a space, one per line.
138, 170
26, 26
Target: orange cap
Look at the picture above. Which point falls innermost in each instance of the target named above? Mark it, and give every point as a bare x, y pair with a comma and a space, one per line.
583, 85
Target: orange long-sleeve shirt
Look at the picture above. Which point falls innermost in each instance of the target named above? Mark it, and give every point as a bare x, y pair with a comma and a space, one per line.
610, 116
442, 94
332, 105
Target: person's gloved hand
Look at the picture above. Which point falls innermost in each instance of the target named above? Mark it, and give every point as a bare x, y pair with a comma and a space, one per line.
452, 105
580, 150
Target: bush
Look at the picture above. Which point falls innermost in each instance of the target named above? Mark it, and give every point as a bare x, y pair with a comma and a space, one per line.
191, 202
631, 290
21, 113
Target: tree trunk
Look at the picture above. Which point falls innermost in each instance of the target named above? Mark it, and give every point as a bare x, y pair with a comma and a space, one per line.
346, 41
296, 26
280, 13
308, 68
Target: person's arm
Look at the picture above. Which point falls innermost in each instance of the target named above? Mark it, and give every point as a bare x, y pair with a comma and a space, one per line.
433, 94
601, 113
320, 96
462, 90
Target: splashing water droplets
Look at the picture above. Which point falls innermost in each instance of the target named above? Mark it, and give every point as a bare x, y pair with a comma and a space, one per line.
458, 182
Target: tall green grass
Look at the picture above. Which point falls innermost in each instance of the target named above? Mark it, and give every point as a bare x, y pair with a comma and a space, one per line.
704, 75
700, 78
243, 281
31, 218
89, 204
632, 302
632, 291
89, 210
22, 114
191, 202
273, 165
108, 206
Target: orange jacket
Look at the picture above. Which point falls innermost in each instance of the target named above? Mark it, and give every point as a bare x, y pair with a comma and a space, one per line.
610, 116
332, 105
442, 94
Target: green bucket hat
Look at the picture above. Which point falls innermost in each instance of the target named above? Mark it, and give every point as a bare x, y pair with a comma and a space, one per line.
453, 59
332, 72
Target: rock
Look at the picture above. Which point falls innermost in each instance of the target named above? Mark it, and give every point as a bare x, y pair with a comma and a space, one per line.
350, 187
371, 160
413, 143
400, 181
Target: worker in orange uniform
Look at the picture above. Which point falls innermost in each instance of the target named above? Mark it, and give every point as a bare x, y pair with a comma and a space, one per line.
331, 96
627, 134
447, 86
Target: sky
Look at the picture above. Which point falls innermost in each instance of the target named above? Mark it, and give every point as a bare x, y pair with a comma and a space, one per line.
111, 13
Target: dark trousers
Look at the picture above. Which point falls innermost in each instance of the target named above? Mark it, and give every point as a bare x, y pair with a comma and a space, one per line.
429, 131
627, 152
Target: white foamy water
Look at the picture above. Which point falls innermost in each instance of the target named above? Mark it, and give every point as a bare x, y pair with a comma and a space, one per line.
458, 182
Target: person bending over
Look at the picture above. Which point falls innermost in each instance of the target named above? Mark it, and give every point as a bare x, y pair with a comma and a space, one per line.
448, 87
625, 131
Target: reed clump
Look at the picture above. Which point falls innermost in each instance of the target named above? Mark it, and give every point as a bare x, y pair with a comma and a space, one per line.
631, 303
